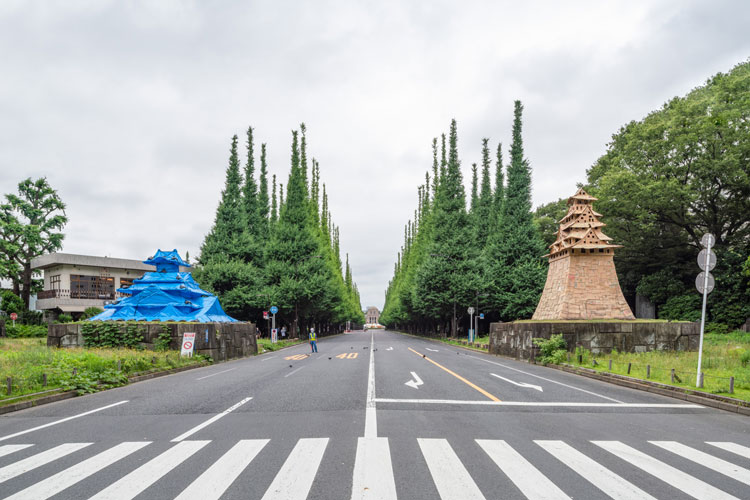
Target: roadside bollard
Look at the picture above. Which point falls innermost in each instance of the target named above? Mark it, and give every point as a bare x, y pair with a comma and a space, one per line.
731, 385
648, 371
580, 359
671, 375
44, 380
153, 360
119, 365
610, 365
75, 371
700, 381
629, 365
10, 384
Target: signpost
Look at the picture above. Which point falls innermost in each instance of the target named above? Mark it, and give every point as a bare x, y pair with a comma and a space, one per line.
471, 322
705, 285
188, 344
274, 337
14, 316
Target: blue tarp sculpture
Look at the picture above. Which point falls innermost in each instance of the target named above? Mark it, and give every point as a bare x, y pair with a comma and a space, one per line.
165, 295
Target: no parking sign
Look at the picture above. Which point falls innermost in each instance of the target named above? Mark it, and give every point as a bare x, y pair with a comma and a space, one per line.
188, 344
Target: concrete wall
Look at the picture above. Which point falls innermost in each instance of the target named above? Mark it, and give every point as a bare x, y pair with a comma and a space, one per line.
515, 339
219, 340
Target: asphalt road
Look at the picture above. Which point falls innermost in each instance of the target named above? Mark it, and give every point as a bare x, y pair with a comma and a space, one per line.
374, 415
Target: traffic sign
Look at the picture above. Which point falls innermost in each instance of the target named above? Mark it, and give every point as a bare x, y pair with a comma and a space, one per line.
13, 316
274, 309
706, 254
274, 335
481, 315
265, 314
701, 280
708, 240
188, 344
471, 310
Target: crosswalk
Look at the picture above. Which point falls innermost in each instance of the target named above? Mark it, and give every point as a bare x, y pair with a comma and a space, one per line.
537, 470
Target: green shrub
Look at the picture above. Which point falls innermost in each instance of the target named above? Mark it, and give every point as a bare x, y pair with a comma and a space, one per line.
90, 312
716, 329
552, 350
25, 331
64, 318
682, 308
11, 303
163, 340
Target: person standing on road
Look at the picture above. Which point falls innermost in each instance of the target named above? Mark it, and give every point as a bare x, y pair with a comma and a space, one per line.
313, 340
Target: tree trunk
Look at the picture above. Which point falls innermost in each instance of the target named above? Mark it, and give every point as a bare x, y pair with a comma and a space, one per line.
26, 293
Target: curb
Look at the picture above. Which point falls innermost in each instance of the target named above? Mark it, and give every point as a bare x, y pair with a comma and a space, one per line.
703, 398
29, 403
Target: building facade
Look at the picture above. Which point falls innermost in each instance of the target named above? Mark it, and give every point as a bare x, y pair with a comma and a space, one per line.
74, 282
372, 315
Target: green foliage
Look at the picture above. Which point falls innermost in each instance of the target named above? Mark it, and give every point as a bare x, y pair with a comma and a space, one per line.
20, 330
162, 342
29, 227
64, 318
90, 312
716, 328
10, 302
552, 350
685, 307
547, 219
110, 334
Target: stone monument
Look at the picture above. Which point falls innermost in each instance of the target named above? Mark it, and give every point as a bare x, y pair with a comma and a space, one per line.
581, 281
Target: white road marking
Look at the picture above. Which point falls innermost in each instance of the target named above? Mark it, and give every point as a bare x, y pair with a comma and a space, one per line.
610, 483
721, 466
389, 349
34, 461
373, 470
210, 421
371, 419
674, 477
294, 480
217, 373
451, 478
216, 479
267, 358
738, 449
414, 383
539, 403
433, 350
294, 371
544, 378
525, 476
70, 476
147, 474
9, 436
12, 448
519, 384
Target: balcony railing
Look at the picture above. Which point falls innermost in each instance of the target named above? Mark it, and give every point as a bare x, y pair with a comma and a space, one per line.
77, 294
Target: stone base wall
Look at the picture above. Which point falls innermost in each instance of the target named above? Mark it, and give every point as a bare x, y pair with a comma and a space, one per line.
221, 341
515, 339
582, 286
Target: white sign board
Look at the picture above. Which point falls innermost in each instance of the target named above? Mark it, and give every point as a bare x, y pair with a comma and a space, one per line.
188, 344
274, 335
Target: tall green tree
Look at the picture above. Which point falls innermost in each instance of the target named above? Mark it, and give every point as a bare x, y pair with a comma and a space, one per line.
31, 224
263, 198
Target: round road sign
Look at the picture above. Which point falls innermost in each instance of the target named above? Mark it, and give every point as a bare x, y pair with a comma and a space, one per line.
13, 316
471, 310
274, 309
187, 345
706, 253
700, 280
708, 240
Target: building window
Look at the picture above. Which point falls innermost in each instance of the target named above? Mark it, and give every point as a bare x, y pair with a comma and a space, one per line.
54, 282
91, 287
126, 282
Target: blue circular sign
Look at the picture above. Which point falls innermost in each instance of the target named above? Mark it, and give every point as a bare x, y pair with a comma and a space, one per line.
274, 309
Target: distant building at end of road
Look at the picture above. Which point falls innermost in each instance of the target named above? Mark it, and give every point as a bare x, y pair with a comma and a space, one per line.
372, 315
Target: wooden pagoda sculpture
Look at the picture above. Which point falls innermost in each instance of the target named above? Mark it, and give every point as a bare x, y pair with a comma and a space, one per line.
581, 280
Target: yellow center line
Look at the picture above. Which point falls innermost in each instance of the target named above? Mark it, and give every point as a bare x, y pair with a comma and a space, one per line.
459, 377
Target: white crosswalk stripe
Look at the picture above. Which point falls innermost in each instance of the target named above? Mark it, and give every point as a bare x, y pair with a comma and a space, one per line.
670, 475
738, 449
214, 482
147, 474
296, 476
719, 465
7, 449
43, 458
374, 476
451, 478
525, 476
610, 483
70, 476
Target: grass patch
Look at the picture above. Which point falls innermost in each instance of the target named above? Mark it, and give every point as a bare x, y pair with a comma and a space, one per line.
84, 370
724, 356
267, 345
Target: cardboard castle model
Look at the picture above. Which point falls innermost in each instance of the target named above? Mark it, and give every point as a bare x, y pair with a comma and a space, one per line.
581, 280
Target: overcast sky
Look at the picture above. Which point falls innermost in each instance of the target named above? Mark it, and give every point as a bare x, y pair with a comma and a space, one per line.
128, 108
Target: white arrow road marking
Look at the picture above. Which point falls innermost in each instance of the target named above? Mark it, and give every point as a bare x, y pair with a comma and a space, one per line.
433, 350
416, 382
519, 384
389, 349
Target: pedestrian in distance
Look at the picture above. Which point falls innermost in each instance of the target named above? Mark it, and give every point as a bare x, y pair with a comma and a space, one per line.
313, 340
283, 331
